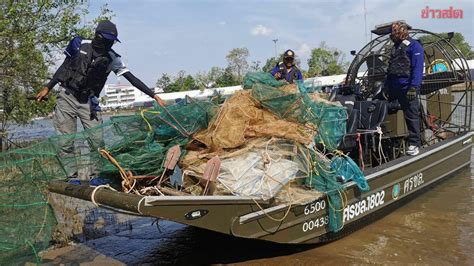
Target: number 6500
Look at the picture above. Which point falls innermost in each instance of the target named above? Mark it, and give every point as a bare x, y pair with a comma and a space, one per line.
314, 207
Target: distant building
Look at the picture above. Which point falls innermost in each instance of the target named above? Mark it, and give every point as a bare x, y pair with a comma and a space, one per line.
117, 96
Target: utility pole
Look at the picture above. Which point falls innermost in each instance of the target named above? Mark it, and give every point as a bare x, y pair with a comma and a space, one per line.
365, 22
276, 54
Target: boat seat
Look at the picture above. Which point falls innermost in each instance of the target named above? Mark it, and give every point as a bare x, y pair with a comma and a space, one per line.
349, 140
346, 101
371, 114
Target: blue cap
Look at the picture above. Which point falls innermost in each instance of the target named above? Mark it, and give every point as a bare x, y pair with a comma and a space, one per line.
109, 36
107, 29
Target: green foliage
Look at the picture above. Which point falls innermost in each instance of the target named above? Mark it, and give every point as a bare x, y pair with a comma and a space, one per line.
31, 34
305, 74
270, 64
164, 82
214, 74
325, 61
182, 82
255, 66
216, 77
232, 75
227, 78
237, 59
206, 80
209, 79
457, 40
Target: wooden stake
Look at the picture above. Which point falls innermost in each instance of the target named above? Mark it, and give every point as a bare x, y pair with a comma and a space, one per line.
172, 157
213, 166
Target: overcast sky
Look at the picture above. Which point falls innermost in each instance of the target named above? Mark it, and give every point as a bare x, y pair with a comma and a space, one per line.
167, 36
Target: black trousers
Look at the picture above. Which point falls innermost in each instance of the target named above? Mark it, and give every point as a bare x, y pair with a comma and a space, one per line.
411, 112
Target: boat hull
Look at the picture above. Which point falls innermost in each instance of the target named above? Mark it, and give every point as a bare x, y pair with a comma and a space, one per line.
391, 184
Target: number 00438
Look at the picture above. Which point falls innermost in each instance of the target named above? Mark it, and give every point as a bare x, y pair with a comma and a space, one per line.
315, 223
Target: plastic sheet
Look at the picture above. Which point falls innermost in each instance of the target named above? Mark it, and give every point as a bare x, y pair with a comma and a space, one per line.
261, 173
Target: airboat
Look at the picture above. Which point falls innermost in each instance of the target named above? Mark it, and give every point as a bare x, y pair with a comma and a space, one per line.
375, 139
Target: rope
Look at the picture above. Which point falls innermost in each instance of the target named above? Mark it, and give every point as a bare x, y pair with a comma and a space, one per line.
111, 208
140, 204
344, 202
180, 129
34, 251
219, 118
96, 189
269, 216
44, 218
304, 199
342, 193
142, 113
126, 175
361, 157
292, 203
380, 149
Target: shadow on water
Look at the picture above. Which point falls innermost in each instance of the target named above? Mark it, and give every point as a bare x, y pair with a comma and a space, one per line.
136, 240
179, 244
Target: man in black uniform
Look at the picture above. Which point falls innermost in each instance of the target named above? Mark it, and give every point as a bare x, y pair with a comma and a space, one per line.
287, 69
82, 76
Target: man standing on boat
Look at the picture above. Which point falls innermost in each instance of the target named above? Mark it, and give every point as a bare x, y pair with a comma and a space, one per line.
404, 77
287, 69
82, 76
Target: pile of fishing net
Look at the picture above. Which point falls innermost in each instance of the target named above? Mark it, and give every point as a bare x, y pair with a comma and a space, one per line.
272, 139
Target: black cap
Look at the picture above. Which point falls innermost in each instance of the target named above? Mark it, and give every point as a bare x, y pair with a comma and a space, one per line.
107, 29
289, 54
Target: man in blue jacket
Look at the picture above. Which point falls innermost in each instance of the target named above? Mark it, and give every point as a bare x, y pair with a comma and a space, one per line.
287, 69
404, 77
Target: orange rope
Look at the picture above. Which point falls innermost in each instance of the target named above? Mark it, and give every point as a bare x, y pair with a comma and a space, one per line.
127, 176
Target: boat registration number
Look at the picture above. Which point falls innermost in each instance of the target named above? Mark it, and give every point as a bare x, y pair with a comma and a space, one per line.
315, 223
314, 206
365, 205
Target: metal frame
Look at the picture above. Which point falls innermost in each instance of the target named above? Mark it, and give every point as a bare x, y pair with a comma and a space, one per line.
454, 58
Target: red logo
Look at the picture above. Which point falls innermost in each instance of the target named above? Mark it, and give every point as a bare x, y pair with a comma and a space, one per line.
441, 13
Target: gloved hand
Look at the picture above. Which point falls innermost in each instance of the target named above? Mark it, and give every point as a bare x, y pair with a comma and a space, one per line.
159, 100
411, 94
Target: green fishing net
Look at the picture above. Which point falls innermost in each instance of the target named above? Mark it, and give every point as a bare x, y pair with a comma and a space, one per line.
139, 143
299, 105
261, 78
